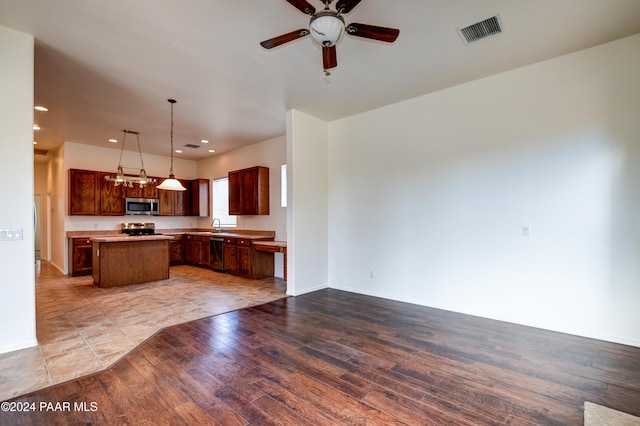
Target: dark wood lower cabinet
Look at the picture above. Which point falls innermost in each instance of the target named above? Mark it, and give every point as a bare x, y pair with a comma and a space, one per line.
240, 258
239, 255
197, 250
230, 255
81, 255
176, 252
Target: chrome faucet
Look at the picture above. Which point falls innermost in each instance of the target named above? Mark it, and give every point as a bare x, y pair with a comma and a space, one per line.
213, 222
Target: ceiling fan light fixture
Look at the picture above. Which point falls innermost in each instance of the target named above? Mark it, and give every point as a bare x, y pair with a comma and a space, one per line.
326, 28
171, 184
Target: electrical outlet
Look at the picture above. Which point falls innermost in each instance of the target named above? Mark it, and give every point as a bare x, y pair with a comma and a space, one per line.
526, 231
371, 274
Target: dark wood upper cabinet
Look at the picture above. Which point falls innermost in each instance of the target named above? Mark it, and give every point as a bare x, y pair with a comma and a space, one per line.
91, 194
200, 189
149, 191
182, 200
84, 192
175, 203
165, 205
249, 191
111, 198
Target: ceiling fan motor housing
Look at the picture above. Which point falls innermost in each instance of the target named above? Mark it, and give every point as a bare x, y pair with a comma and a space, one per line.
326, 28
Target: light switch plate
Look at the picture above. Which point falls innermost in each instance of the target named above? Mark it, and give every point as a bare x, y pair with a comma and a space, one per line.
11, 234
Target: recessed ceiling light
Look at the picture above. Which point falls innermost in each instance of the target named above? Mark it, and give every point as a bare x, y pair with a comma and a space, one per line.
36, 127
212, 150
41, 108
35, 143
204, 141
113, 140
179, 151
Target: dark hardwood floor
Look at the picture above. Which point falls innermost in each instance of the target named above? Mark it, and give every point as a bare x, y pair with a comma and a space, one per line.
332, 357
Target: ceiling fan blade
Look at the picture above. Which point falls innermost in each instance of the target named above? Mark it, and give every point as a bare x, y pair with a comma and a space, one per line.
284, 38
303, 6
329, 57
345, 6
385, 34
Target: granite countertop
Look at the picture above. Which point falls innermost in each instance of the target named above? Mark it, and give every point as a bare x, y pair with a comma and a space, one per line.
126, 238
247, 236
236, 233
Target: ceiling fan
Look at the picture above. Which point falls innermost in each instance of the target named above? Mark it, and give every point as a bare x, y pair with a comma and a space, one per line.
327, 27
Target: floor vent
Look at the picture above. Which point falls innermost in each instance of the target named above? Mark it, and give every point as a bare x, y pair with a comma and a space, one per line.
190, 145
490, 27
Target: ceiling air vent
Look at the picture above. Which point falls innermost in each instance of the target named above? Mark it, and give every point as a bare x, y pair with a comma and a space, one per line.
41, 151
481, 30
190, 145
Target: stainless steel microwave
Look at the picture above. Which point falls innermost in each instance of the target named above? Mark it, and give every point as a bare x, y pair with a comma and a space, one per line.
142, 206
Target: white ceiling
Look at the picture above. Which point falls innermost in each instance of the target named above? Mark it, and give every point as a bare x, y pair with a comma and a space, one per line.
103, 66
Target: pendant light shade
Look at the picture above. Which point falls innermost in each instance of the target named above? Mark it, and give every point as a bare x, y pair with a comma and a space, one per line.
171, 184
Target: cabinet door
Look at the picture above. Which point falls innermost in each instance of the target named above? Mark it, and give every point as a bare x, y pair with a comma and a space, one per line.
111, 199
165, 207
200, 189
181, 202
150, 190
206, 253
230, 258
235, 192
193, 250
244, 259
82, 263
134, 192
84, 192
250, 191
175, 252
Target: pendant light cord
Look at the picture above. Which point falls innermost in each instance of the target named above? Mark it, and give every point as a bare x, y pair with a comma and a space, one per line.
171, 101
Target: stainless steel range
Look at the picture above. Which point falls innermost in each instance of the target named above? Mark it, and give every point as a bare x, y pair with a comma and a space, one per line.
148, 228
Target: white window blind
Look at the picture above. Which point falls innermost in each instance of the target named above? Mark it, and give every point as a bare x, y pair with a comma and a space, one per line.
220, 202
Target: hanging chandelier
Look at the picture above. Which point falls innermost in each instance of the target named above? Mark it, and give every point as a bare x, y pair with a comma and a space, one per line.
128, 180
171, 184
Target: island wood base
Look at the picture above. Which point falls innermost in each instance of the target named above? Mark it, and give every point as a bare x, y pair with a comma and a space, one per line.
133, 261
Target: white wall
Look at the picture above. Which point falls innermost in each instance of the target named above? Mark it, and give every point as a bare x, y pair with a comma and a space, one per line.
428, 197
307, 213
17, 284
271, 153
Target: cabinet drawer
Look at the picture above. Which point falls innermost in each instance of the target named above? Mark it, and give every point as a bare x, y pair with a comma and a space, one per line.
82, 242
243, 242
230, 241
268, 249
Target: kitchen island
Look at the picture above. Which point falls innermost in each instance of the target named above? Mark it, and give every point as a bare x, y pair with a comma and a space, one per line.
123, 260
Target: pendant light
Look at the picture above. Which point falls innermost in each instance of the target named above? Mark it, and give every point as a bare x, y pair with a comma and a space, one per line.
171, 184
125, 180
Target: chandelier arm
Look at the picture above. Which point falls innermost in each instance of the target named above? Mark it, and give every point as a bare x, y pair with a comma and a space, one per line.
140, 151
124, 138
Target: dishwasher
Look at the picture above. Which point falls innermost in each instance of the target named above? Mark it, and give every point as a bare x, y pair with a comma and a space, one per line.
216, 250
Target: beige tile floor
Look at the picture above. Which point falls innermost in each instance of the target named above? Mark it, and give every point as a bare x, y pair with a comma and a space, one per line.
82, 329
